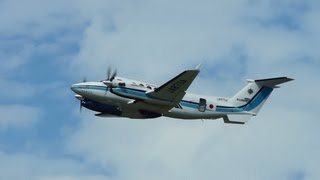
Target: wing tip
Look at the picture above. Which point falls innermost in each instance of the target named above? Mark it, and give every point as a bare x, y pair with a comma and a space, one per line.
198, 67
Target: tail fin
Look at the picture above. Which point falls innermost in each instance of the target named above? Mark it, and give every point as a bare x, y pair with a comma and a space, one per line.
252, 97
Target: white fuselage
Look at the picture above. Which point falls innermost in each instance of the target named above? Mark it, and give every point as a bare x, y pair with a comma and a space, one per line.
122, 97
127, 98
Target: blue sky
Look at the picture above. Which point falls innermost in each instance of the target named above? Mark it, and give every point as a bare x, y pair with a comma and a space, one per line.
46, 46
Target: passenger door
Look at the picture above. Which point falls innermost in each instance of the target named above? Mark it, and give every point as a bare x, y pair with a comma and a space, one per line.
202, 105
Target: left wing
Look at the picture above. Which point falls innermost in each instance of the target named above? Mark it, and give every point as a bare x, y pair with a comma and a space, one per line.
174, 90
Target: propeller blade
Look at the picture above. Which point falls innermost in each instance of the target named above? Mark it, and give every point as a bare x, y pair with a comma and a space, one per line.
80, 106
110, 77
109, 73
113, 75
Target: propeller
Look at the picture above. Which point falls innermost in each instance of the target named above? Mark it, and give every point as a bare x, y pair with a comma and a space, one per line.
109, 72
81, 99
113, 75
110, 77
81, 105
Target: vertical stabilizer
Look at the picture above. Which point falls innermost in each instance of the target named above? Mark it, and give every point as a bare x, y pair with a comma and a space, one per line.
252, 97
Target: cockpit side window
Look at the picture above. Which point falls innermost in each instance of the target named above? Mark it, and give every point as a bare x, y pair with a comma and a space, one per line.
122, 84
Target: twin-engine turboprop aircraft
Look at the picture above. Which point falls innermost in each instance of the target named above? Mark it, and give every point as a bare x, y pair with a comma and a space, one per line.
121, 97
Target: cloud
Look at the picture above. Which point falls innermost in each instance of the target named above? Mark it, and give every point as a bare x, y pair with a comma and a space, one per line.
175, 37
14, 59
37, 22
286, 14
180, 38
16, 90
18, 116
237, 40
153, 146
166, 148
25, 91
31, 37
32, 166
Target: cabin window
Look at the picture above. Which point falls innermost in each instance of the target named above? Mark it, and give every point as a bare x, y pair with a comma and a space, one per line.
141, 85
122, 84
149, 87
202, 105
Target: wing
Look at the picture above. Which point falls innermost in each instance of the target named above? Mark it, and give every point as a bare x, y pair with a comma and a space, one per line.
174, 90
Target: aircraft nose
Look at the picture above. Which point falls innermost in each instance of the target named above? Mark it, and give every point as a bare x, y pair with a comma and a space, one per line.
74, 88
79, 88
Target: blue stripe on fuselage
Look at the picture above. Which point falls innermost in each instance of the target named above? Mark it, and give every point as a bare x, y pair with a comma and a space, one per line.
189, 104
92, 87
139, 93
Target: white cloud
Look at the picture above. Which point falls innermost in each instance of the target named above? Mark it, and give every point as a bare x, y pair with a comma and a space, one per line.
46, 17
18, 116
13, 59
163, 35
270, 146
145, 36
16, 90
159, 39
39, 167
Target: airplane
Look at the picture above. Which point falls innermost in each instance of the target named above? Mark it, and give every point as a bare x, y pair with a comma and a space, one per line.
121, 97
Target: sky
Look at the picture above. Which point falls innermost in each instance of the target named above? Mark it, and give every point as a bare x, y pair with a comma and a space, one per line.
45, 46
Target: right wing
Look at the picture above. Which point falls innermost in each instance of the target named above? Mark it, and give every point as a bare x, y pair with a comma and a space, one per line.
174, 90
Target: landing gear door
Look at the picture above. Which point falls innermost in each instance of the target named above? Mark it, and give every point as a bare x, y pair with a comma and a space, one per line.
202, 105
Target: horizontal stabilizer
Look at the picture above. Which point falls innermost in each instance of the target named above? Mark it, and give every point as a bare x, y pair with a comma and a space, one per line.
237, 118
272, 82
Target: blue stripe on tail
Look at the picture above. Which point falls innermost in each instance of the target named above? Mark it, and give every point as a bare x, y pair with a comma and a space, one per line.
262, 95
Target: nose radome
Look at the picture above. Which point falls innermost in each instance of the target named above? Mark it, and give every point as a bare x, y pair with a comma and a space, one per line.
74, 87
